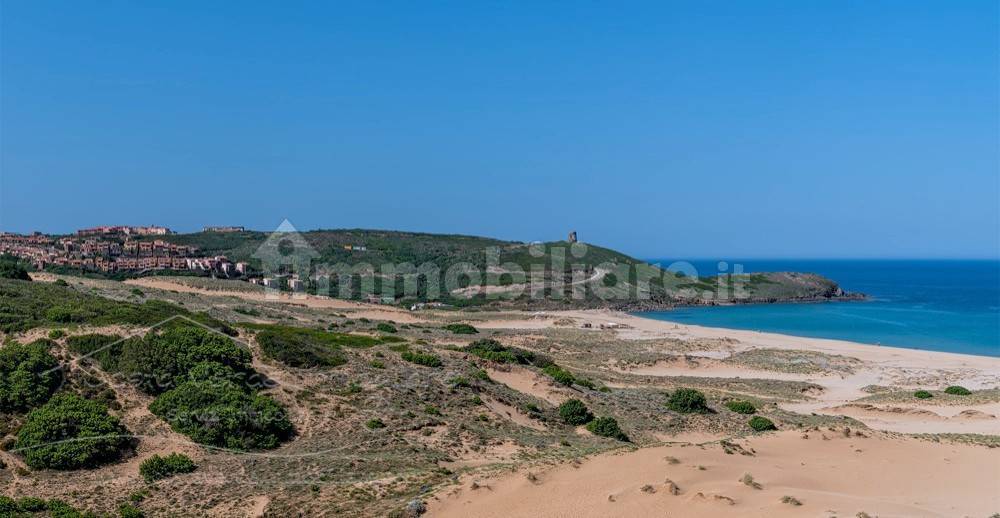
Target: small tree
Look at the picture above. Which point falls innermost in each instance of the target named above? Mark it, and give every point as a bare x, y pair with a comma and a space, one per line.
607, 427
574, 412
158, 468
70, 432
687, 401
761, 424
741, 407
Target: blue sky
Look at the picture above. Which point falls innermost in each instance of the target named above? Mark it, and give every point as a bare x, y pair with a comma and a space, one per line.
664, 129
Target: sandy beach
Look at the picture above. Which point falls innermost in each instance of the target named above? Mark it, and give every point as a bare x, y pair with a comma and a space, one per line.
823, 472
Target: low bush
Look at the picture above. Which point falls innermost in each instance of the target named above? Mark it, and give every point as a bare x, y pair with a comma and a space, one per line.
223, 414
741, 407
687, 401
761, 424
575, 413
922, 394
425, 359
29, 375
386, 328
956, 390
161, 360
461, 329
70, 432
130, 511
560, 375
304, 347
607, 427
56, 334
158, 468
102, 348
375, 424
492, 350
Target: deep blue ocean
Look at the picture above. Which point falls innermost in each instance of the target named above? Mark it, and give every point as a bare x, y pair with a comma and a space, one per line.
940, 305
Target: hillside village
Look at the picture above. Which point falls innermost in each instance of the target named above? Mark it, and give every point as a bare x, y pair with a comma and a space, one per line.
111, 249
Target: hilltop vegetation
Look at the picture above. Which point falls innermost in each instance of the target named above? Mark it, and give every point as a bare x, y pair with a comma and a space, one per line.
25, 305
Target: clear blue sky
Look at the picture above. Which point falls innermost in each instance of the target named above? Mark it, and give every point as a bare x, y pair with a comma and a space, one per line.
680, 129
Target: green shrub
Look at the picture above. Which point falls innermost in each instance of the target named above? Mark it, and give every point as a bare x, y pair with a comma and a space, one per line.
29, 374
741, 407
956, 390
607, 427
385, 328
425, 359
105, 349
70, 432
137, 292
761, 424
492, 350
223, 414
687, 401
461, 329
303, 347
30, 504
375, 424
376, 364
60, 282
11, 268
560, 375
162, 360
574, 412
130, 511
56, 334
158, 468
922, 394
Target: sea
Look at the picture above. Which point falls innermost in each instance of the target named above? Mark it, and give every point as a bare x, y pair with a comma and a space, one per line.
938, 305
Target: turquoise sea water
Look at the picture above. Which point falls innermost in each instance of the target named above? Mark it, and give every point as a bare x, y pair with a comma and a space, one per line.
949, 306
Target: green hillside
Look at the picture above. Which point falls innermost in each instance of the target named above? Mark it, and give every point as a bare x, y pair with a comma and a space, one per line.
504, 273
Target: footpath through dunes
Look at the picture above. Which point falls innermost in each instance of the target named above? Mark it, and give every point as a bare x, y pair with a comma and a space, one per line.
791, 473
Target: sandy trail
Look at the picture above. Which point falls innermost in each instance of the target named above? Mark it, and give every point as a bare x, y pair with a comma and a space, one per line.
882, 476
356, 309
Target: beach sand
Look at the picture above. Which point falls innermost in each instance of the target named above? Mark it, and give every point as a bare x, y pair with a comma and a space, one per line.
830, 472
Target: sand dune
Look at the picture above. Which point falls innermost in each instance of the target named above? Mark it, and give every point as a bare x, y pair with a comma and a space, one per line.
827, 473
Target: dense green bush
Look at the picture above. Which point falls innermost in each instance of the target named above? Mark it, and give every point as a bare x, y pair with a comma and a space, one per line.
26, 506
560, 375
382, 327
11, 268
461, 329
761, 424
160, 361
222, 413
56, 334
70, 432
922, 394
375, 423
607, 427
158, 468
425, 359
956, 390
574, 412
492, 350
741, 407
29, 374
130, 511
304, 347
687, 401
